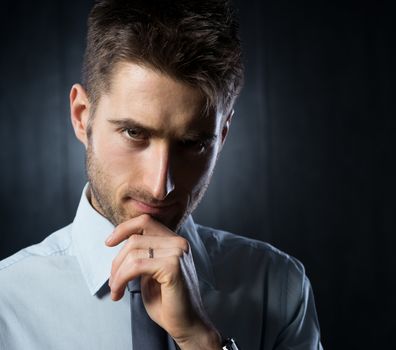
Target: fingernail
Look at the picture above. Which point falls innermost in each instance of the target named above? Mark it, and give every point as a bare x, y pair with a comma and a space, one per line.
110, 238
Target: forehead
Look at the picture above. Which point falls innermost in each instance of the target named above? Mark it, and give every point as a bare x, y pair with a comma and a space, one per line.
154, 99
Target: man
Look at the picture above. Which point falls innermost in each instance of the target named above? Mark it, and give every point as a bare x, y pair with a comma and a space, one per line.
153, 112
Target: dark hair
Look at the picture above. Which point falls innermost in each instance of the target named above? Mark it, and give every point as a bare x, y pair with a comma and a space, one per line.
193, 41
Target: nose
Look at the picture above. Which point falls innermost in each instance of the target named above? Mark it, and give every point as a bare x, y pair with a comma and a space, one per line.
159, 177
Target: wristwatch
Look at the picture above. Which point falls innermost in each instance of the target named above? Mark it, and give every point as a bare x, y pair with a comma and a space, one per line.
229, 344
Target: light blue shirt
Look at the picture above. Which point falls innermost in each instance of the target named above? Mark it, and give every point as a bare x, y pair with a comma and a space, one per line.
54, 295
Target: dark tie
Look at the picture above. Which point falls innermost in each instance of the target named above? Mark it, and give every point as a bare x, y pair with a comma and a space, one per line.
146, 334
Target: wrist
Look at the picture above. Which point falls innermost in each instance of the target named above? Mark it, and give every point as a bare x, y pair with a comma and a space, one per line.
203, 339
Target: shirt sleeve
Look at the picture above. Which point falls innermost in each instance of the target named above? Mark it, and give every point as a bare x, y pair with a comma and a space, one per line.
302, 327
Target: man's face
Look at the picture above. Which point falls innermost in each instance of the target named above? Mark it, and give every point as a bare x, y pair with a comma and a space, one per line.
151, 149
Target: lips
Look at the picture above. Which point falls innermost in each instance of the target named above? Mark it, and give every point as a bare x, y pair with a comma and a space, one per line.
151, 208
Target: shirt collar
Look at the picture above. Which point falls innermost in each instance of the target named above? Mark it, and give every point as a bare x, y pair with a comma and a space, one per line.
89, 232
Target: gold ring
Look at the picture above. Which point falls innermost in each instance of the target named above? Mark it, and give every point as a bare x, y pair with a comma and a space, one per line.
151, 253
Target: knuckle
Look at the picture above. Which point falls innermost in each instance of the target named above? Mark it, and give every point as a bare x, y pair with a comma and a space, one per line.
183, 244
172, 269
120, 280
129, 243
139, 262
145, 219
179, 252
133, 240
130, 259
143, 253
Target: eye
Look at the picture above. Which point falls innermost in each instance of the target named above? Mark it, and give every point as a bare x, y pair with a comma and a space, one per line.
196, 146
134, 134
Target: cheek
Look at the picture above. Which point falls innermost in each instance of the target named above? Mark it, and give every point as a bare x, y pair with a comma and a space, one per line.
195, 174
114, 157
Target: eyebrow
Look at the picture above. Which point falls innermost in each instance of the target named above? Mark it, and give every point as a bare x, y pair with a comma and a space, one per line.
132, 124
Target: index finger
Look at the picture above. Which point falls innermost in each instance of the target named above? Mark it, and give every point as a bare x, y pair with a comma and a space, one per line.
140, 225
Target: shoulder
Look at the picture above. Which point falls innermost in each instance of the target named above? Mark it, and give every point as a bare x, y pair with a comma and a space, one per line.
58, 243
250, 262
229, 246
32, 266
30, 277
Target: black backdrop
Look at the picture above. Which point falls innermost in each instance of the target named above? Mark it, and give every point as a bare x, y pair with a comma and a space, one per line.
309, 161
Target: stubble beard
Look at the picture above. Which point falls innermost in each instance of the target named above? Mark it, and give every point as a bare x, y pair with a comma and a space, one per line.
101, 199
99, 193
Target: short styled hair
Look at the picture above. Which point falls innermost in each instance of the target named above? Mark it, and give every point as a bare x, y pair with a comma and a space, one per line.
193, 41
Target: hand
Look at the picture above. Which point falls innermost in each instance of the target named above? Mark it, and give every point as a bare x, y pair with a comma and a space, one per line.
169, 282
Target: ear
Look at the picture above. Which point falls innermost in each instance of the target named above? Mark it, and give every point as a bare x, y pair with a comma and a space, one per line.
226, 127
79, 112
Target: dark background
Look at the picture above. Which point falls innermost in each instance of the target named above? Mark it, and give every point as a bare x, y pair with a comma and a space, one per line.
308, 166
